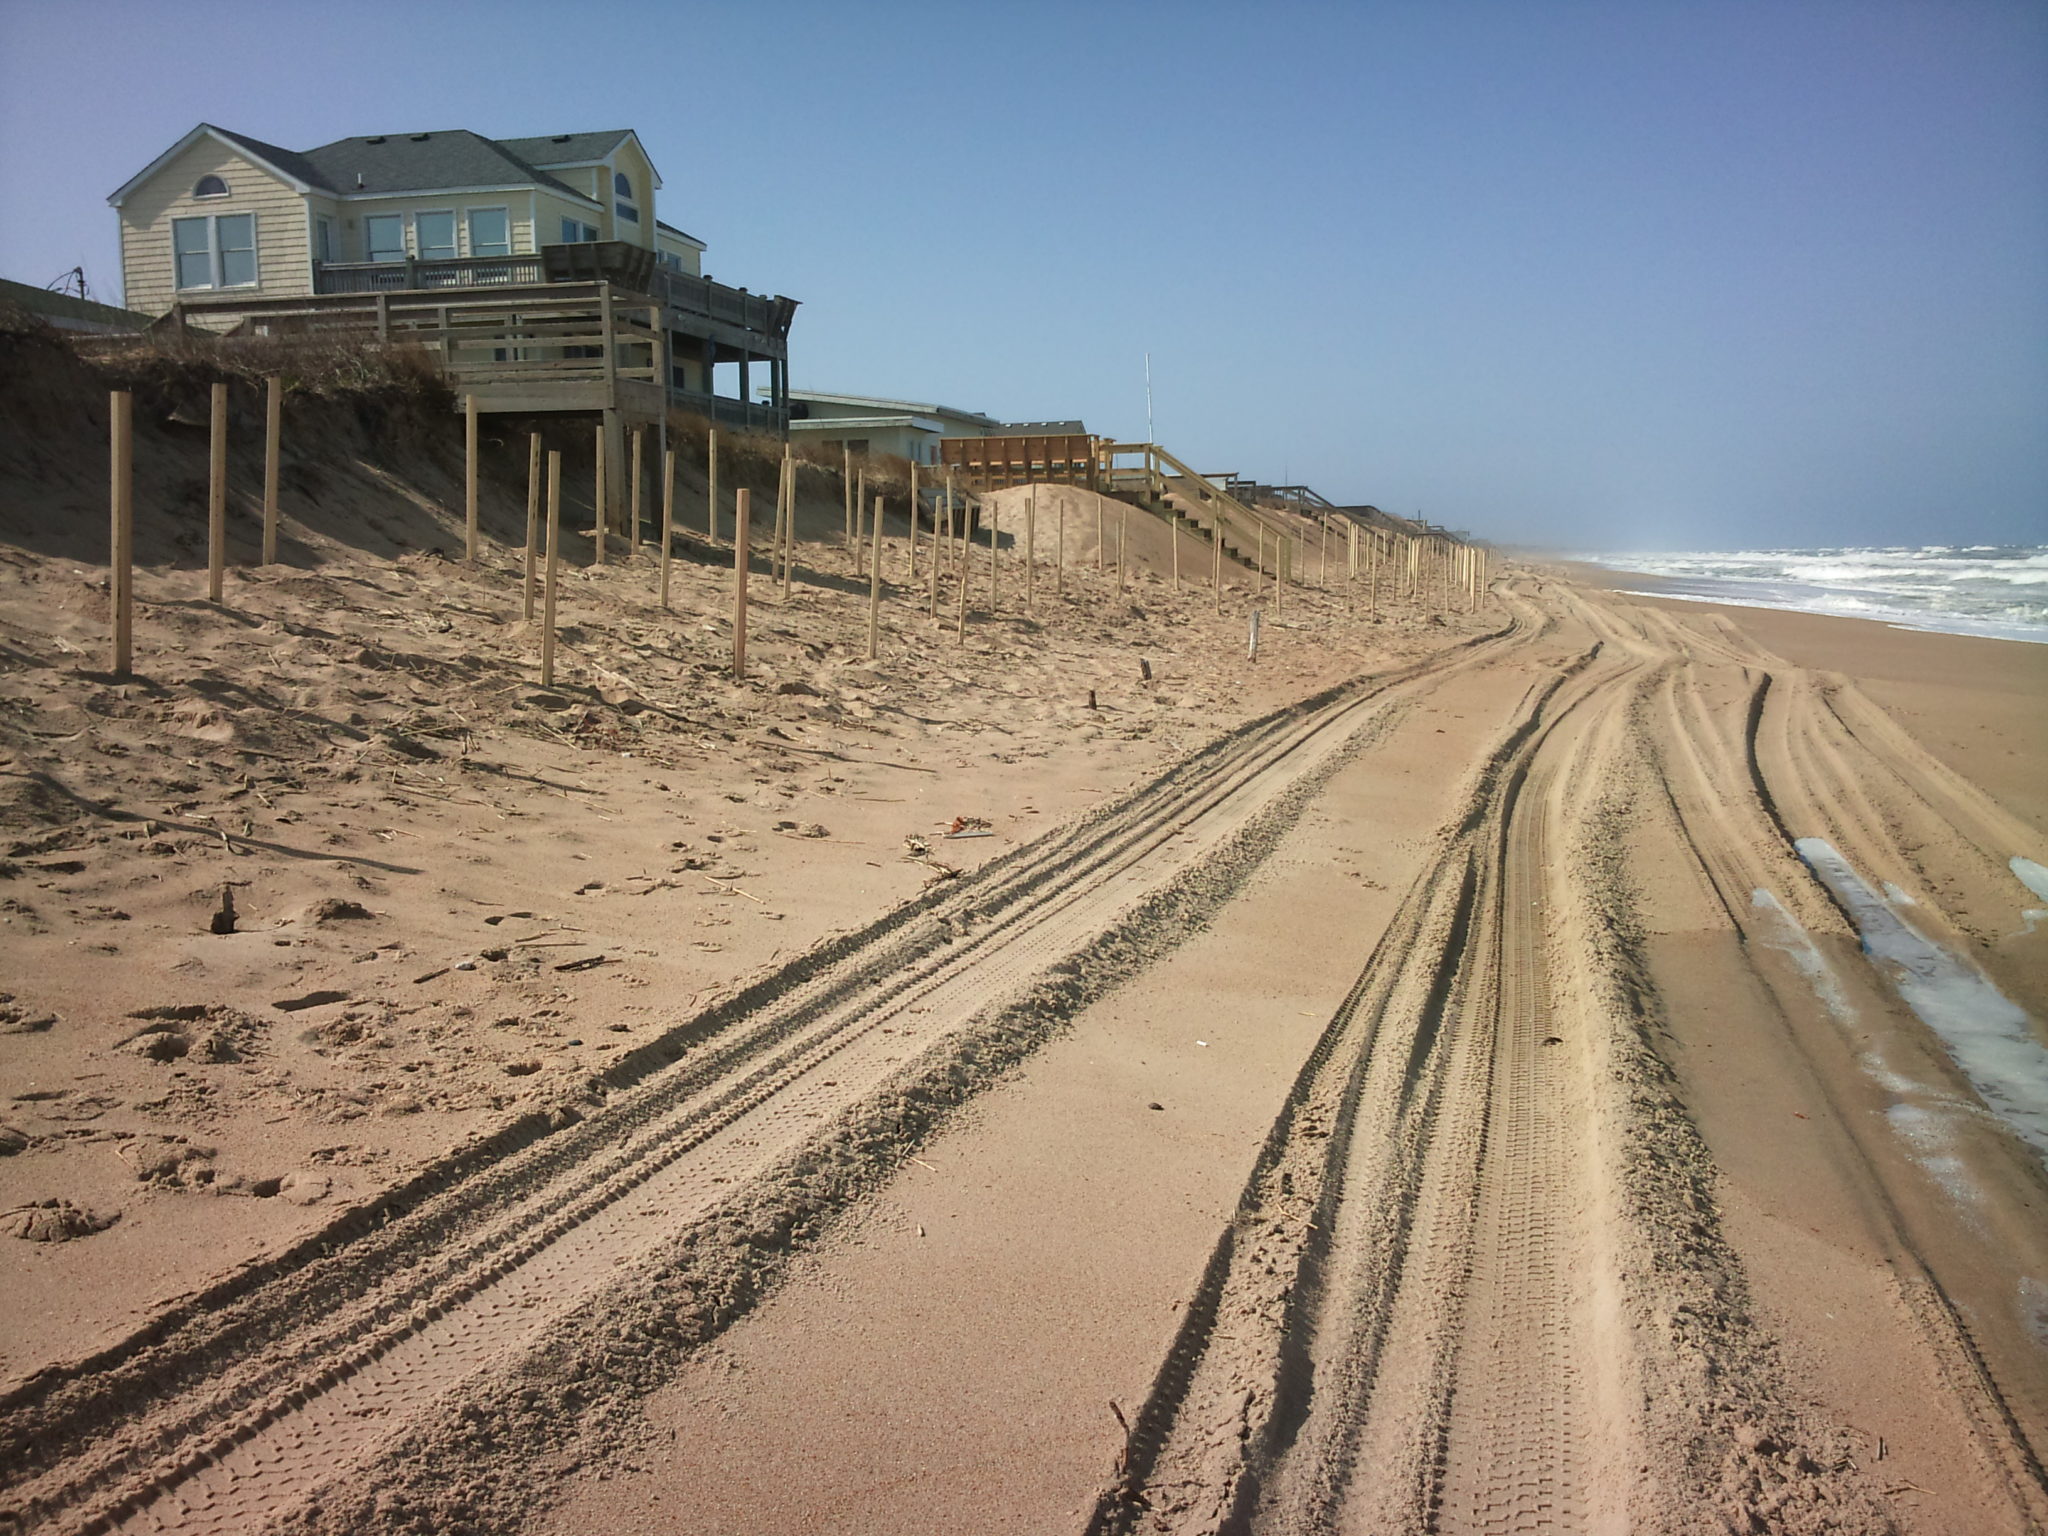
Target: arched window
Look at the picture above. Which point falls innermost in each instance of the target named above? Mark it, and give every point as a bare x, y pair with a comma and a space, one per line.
210, 186
622, 184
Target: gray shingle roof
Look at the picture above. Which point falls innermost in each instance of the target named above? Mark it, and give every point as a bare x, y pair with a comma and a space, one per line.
567, 148
420, 162
290, 161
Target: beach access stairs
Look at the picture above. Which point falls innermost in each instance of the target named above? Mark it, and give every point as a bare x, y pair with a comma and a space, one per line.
1166, 487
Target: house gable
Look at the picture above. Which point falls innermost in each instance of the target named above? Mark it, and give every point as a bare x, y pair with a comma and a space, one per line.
150, 203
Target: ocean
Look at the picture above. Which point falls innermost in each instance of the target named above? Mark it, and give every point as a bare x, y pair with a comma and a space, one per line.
1999, 590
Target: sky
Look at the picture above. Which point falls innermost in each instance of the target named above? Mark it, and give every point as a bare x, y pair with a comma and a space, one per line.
1589, 274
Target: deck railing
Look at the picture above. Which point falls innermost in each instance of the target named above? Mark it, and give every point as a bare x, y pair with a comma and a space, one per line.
615, 261
417, 276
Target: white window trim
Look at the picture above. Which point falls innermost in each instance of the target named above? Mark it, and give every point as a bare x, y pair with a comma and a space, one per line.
469, 245
419, 249
212, 216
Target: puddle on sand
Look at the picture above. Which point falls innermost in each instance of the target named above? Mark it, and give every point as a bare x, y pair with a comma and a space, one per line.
1923, 1117
1988, 1035
2035, 878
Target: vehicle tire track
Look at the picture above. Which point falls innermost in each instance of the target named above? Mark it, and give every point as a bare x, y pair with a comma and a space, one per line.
249, 1405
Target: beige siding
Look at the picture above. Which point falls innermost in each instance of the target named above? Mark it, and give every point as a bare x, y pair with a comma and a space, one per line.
553, 208
688, 255
583, 179
283, 257
634, 164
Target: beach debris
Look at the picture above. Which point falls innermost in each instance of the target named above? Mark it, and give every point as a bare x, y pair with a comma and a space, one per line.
335, 909
304, 1188
587, 963
319, 999
970, 826
57, 1221
16, 1020
223, 920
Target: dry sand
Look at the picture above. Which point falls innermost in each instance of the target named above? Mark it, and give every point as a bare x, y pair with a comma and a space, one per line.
1372, 1075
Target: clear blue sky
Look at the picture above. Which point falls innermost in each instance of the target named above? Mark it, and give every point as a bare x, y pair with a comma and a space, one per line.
1612, 273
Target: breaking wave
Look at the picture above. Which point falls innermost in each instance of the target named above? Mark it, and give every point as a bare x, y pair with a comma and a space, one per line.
1978, 589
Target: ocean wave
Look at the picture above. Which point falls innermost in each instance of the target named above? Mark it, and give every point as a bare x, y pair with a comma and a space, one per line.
1973, 589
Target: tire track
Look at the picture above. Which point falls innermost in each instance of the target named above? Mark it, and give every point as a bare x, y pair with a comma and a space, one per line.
220, 1423
1477, 1245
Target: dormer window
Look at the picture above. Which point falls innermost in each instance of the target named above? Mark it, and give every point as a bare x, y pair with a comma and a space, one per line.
622, 184
210, 186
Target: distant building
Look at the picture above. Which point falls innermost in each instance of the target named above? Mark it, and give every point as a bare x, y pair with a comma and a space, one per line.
910, 429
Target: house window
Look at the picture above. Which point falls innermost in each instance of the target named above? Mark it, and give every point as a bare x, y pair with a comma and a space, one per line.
576, 232
384, 237
622, 184
210, 186
490, 232
435, 233
325, 248
217, 251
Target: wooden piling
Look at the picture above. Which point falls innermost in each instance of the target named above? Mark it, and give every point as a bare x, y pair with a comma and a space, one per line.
875, 589
636, 535
860, 512
775, 528
913, 519
668, 515
711, 485
937, 558
788, 522
846, 492
1123, 540
960, 618
533, 493
554, 576
742, 532
598, 505
995, 525
273, 447
1031, 549
1059, 567
469, 479
121, 534
217, 499
1216, 562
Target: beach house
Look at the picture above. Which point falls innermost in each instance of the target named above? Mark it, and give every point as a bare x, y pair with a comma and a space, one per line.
469, 244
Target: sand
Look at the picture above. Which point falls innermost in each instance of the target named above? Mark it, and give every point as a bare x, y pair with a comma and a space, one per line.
1360, 1089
